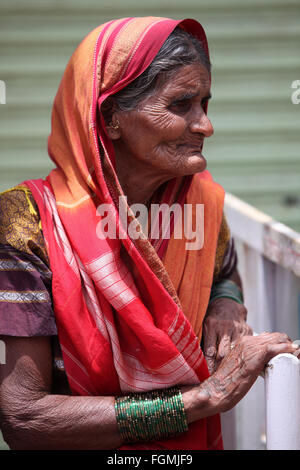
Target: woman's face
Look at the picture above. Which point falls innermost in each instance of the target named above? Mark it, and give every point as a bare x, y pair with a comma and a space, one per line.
164, 136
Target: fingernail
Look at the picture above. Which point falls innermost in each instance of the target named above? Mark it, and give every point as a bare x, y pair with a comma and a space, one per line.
295, 346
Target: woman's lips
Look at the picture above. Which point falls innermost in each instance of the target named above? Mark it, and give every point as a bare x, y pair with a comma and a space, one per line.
194, 146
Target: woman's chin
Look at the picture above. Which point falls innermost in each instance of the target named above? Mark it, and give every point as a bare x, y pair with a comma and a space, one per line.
196, 163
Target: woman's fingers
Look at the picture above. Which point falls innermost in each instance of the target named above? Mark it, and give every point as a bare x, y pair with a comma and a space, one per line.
258, 350
230, 338
224, 347
210, 339
273, 349
275, 337
246, 361
277, 343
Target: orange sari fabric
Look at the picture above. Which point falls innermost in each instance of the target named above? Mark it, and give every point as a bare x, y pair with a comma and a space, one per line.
126, 320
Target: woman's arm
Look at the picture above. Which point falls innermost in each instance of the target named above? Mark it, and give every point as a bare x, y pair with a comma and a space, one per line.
32, 418
224, 323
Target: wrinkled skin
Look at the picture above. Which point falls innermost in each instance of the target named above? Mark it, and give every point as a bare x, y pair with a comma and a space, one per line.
171, 126
224, 324
241, 367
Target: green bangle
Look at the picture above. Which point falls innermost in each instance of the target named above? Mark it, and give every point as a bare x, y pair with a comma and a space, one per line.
151, 416
226, 289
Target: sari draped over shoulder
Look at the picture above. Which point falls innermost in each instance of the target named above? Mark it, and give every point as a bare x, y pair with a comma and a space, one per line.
129, 312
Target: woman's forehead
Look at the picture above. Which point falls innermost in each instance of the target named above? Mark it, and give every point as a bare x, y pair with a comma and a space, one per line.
193, 78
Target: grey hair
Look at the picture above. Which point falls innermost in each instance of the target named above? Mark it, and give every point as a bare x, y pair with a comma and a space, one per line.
180, 48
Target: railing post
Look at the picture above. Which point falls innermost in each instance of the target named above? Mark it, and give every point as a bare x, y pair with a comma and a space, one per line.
282, 385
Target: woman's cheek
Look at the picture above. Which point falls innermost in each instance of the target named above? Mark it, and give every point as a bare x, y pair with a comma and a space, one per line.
169, 126
160, 119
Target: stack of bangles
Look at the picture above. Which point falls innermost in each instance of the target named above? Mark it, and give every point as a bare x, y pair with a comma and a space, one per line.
226, 289
153, 415
160, 414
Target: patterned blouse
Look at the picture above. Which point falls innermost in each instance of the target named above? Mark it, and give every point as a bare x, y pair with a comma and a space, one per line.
25, 278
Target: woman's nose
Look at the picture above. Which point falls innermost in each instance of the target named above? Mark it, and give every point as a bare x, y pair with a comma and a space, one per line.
201, 124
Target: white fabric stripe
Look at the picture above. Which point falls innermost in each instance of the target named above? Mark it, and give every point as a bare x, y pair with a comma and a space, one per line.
184, 341
108, 269
175, 337
186, 352
113, 279
116, 283
60, 234
123, 299
110, 274
215, 441
91, 170
21, 265
92, 302
74, 359
100, 262
16, 265
77, 383
198, 362
38, 189
174, 323
74, 204
24, 296
193, 355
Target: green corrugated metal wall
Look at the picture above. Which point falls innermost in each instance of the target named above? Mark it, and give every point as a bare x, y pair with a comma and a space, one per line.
255, 50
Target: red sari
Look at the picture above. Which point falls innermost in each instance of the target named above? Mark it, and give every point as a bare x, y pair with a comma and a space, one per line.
128, 314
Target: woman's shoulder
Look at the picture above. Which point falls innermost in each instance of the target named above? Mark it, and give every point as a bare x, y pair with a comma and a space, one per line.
20, 224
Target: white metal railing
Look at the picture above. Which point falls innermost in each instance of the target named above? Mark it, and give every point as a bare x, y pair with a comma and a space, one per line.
282, 382
269, 264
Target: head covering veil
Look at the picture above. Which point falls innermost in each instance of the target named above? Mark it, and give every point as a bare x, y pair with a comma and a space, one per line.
121, 314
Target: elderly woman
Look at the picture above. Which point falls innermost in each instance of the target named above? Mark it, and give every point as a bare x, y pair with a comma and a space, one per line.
152, 334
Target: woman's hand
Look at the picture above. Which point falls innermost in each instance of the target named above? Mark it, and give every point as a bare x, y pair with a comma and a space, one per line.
235, 375
224, 324
241, 367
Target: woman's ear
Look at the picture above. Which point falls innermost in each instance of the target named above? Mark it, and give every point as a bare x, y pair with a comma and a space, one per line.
109, 111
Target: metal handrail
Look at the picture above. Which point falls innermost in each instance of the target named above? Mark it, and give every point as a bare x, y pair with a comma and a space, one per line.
282, 392
269, 265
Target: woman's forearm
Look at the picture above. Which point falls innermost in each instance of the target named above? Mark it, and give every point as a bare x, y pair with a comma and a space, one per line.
33, 418
73, 422
63, 422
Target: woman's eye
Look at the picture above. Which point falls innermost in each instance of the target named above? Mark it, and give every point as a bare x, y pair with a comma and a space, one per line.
181, 106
